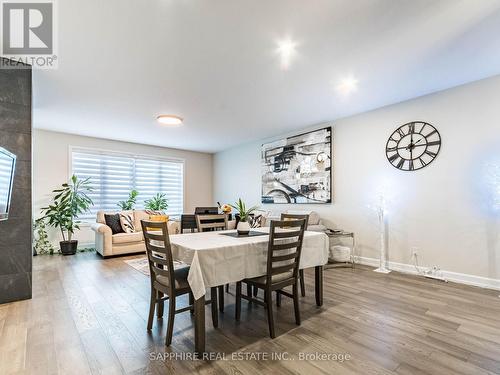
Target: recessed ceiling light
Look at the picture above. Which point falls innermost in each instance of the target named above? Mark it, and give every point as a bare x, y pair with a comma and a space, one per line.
169, 120
286, 50
347, 86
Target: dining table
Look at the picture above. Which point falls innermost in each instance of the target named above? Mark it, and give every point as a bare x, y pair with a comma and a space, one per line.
220, 257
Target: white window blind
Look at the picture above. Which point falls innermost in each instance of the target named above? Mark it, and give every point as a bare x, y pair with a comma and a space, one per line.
114, 175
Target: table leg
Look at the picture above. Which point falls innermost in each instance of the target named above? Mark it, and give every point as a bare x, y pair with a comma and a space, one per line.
199, 325
318, 287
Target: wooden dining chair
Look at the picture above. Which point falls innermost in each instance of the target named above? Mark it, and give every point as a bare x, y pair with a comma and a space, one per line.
168, 282
284, 249
211, 222
301, 272
214, 222
188, 222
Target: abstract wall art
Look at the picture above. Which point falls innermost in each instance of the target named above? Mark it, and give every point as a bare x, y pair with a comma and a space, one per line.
298, 169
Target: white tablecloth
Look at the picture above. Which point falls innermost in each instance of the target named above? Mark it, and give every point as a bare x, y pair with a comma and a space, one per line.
217, 259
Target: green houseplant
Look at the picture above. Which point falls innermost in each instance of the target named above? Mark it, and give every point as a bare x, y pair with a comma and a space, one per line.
70, 201
41, 241
156, 207
158, 203
129, 204
243, 227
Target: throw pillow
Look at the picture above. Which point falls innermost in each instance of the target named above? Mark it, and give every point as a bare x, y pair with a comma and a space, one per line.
127, 222
258, 221
113, 221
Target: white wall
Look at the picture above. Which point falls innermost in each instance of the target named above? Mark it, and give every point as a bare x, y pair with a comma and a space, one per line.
450, 210
51, 168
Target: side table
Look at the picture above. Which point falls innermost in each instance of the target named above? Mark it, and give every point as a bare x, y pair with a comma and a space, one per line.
342, 234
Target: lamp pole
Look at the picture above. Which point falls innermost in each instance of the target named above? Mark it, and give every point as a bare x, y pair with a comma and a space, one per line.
383, 251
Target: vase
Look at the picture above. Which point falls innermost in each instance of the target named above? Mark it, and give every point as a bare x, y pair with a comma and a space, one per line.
68, 247
243, 228
158, 217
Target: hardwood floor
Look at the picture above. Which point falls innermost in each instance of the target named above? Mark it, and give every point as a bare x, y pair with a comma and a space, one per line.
88, 316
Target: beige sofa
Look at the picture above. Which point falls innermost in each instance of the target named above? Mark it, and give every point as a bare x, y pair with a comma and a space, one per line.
315, 222
108, 244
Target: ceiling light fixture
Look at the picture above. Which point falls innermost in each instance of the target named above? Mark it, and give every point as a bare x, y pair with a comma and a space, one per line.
171, 120
286, 50
347, 86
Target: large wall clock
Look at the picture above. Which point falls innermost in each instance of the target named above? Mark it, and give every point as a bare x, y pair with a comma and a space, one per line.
413, 146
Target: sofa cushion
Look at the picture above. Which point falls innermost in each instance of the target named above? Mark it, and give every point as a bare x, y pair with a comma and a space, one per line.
101, 213
274, 279
180, 277
138, 216
127, 222
113, 221
127, 237
314, 217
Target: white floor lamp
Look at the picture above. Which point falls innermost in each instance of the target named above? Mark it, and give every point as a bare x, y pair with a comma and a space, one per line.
381, 212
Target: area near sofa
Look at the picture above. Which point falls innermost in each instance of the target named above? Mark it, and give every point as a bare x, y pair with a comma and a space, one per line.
108, 244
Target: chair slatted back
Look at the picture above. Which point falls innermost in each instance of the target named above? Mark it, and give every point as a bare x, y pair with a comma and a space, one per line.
285, 247
159, 250
188, 222
211, 222
296, 217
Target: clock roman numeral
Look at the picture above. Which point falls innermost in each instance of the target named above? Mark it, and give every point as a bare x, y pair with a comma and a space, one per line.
430, 153
411, 166
422, 162
411, 128
401, 132
423, 127
434, 143
392, 149
431, 133
393, 157
401, 163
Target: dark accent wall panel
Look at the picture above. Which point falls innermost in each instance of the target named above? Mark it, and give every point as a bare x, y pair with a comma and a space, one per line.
16, 232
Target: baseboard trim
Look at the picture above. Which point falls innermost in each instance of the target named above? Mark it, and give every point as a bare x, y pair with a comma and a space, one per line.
456, 277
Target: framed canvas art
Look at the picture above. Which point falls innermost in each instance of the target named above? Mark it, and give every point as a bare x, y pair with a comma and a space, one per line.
298, 169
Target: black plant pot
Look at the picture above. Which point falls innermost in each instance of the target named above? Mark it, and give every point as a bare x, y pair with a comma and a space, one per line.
68, 247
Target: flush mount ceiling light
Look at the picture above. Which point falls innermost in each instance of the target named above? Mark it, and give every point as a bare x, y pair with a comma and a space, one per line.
171, 120
347, 86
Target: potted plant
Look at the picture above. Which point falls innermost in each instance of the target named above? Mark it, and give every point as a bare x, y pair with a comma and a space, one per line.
243, 227
70, 201
156, 207
41, 243
129, 204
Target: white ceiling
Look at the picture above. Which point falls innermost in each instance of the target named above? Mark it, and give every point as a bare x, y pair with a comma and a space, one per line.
215, 63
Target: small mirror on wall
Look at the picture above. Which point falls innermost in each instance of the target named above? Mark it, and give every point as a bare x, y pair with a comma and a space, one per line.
7, 168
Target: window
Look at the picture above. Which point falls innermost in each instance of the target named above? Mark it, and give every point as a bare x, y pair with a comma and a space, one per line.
114, 175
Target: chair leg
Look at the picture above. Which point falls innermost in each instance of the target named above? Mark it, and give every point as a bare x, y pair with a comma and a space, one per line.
302, 283
191, 302
278, 299
152, 305
270, 319
296, 303
221, 298
227, 288
249, 292
171, 317
215, 313
238, 300
161, 305
255, 291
